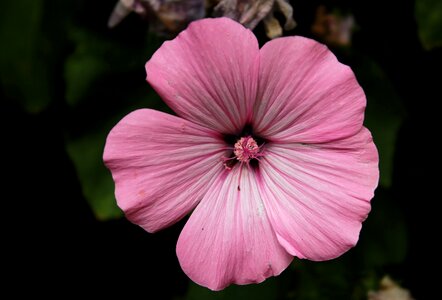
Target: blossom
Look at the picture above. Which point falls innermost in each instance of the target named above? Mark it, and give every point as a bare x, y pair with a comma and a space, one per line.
267, 149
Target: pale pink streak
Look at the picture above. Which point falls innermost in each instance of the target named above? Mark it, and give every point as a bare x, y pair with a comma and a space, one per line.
208, 74
228, 238
162, 166
312, 99
317, 196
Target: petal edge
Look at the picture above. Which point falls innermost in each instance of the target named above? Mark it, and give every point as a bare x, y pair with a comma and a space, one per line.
161, 165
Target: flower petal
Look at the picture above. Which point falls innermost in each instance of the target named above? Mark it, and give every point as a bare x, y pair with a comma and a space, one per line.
208, 74
317, 196
228, 238
305, 94
162, 166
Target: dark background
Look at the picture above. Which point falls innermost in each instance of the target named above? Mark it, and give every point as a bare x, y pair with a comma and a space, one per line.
66, 79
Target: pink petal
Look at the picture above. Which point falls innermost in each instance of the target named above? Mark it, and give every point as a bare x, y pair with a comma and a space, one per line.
228, 238
208, 74
305, 94
162, 166
316, 196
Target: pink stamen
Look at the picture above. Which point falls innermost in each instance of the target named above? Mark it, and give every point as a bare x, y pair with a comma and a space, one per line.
246, 149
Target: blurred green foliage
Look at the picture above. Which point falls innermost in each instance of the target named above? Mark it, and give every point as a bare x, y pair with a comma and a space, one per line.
96, 56
268, 290
96, 74
96, 182
20, 69
33, 45
428, 15
92, 75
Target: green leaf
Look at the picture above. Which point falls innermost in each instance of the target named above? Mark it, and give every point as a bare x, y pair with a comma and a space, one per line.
322, 280
105, 80
428, 15
95, 179
384, 236
32, 48
97, 56
268, 290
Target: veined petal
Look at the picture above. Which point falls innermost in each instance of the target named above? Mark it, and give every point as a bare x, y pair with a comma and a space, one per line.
317, 196
162, 166
208, 74
228, 238
305, 94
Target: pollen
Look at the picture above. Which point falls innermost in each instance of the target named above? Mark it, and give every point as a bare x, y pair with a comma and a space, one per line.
246, 148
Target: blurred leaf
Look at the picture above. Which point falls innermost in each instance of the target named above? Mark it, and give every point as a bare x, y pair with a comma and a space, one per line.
327, 280
267, 290
384, 237
383, 116
80, 73
32, 47
105, 80
96, 56
428, 15
95, 179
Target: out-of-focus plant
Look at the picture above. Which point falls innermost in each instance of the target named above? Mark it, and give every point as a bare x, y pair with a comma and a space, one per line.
164, 16
428, 14
251, 12
172, 16
389, 290
333, 28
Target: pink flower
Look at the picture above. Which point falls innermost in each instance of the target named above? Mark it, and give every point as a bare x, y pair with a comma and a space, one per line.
268, 148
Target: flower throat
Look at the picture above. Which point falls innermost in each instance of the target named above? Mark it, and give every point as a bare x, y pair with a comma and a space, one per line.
246, 149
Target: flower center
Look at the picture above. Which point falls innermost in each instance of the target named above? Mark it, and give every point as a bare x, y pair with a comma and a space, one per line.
245, 149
